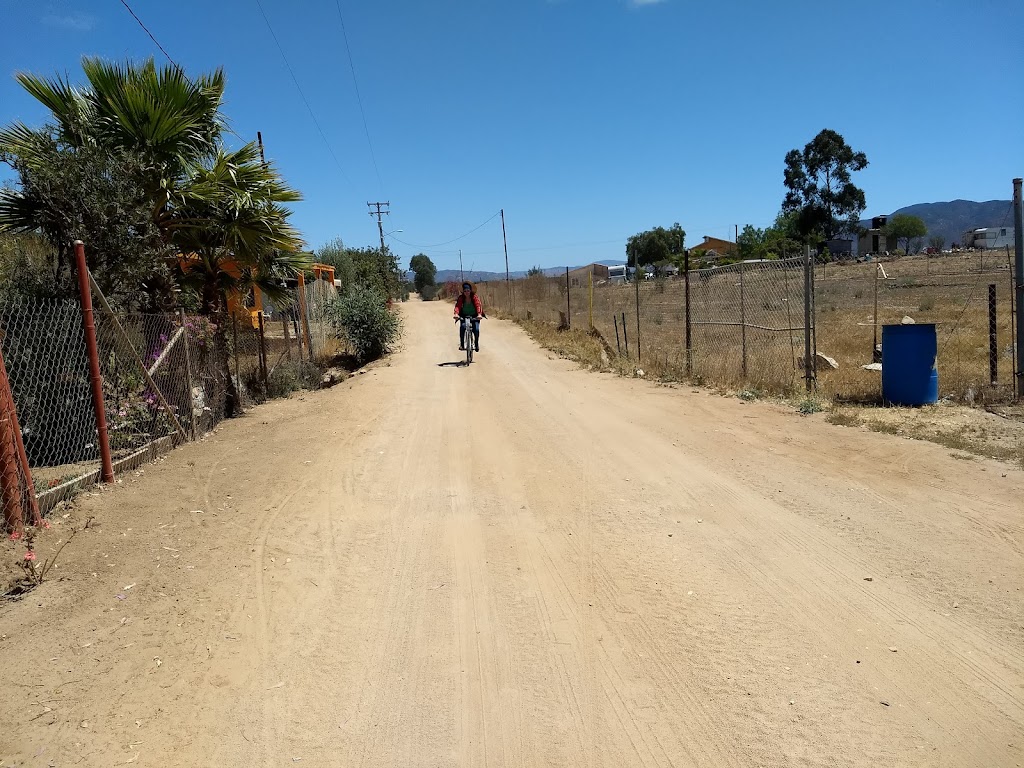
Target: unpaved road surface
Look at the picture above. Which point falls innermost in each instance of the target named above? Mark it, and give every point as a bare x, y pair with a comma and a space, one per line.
524, 564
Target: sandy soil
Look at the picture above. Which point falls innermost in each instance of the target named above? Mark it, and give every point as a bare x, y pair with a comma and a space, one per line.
524, 564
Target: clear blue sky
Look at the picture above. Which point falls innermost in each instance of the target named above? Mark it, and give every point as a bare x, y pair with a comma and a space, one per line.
586, 120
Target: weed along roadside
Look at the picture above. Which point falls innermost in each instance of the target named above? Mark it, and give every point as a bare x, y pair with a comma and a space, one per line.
992, 431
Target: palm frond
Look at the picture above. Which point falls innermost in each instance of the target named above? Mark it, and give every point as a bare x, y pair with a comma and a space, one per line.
18, 213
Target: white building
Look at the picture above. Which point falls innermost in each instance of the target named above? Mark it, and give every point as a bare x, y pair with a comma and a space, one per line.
988, 237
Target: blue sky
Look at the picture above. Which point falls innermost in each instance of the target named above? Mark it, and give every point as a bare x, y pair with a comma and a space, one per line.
586, 120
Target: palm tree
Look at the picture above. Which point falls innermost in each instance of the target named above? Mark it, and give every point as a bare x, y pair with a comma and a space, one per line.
173, 121
231, 220
227, 210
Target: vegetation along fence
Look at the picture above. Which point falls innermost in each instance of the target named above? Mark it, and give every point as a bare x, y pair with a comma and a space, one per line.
752, 324
70, 418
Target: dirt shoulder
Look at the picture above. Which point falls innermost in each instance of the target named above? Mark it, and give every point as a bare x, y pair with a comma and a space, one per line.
522, 563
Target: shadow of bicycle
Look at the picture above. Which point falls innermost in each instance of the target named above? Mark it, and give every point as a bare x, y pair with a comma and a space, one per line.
455, 364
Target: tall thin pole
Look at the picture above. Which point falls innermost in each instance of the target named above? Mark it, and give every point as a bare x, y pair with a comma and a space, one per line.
591, 318
461, 272
1018, 242
259, 138
380, 213
568, 305
808, 266
689, 327
743, 322
636, 276
993, 342
89, 326
188, 374
504, 240
874, 341
1013, 309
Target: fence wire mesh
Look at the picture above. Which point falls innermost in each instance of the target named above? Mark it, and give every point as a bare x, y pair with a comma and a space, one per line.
165, 378
950, 291
44, 352
747, 321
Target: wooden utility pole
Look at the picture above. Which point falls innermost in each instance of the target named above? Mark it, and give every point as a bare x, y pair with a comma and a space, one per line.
504, 240
380, 213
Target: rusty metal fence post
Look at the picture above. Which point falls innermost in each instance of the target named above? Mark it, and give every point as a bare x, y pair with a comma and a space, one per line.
993, 345
193, 429
636, 278
689, 325
89, 328
625, 335
568, 303
743, 325
14, 460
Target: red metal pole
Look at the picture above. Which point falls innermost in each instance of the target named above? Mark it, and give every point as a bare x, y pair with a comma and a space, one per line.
7, 397
107, 466
9, 485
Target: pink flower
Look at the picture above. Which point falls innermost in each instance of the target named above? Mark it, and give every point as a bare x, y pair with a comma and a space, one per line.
30, 555
15, 536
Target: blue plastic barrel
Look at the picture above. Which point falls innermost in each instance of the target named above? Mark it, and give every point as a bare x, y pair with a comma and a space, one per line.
909, 372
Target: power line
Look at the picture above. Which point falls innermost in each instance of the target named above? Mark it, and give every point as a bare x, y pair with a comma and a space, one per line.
359, 98
447, 242
152, 36
299, 89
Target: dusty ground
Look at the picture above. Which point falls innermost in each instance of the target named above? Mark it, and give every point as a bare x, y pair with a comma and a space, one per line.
522, 563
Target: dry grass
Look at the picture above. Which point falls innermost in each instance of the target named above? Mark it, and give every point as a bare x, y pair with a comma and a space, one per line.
967, 432
951, 291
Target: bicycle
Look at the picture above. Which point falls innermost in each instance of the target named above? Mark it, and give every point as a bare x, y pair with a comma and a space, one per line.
467, 334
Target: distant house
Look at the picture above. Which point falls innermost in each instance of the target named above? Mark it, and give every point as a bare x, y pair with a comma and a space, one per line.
580, 277
715, 246
989, 237
839, 247
875, 240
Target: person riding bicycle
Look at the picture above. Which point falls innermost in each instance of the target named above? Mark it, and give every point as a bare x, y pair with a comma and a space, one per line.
468, 306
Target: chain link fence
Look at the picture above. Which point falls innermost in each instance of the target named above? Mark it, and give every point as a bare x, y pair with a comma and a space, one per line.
746, 324
950, 291
165, 379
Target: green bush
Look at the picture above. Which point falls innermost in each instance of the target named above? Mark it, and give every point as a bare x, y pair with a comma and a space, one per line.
428, 292
362, 318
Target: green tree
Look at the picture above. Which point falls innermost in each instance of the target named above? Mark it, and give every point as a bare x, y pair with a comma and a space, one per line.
751, 242
335, 254
910, 230
150, 140
655, 245
535, 271
377, 270
173, 122
232, 220
98, 196
27, 266
424, 271
819, 187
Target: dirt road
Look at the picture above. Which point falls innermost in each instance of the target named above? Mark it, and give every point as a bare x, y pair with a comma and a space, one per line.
524, 564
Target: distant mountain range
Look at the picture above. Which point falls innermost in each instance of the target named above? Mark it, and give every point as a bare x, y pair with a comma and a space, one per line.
478, 276
952, 219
